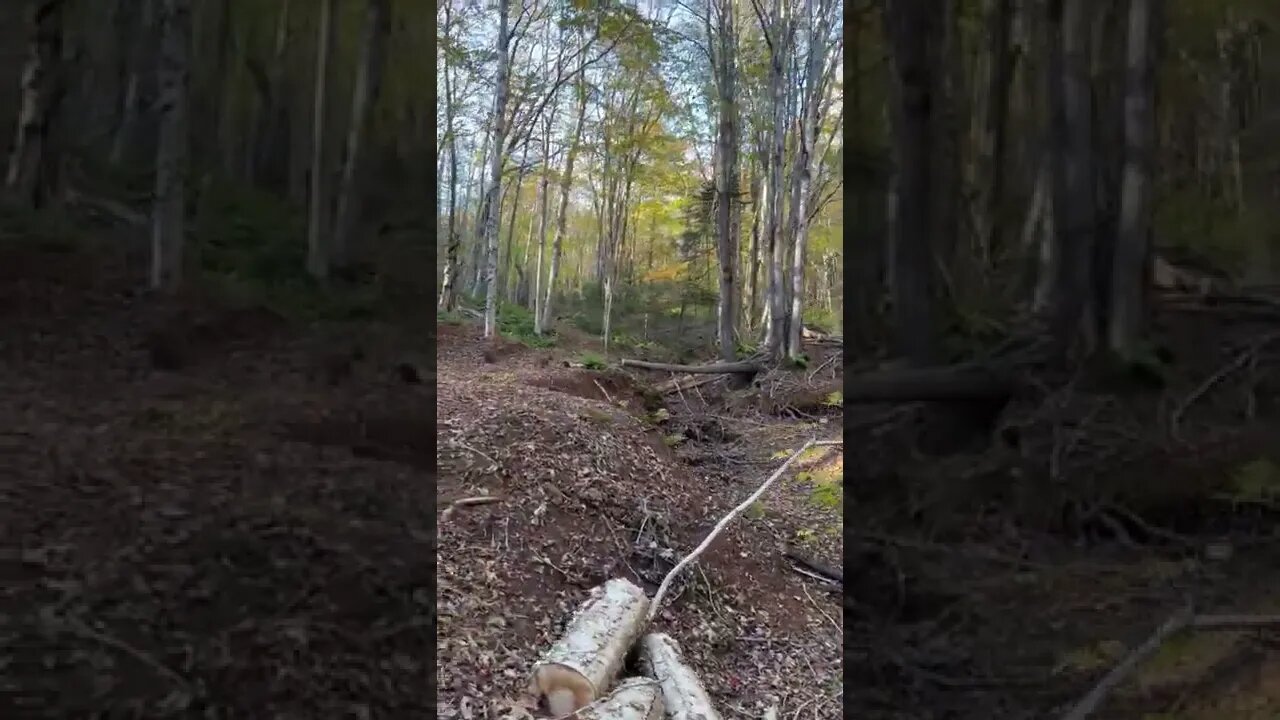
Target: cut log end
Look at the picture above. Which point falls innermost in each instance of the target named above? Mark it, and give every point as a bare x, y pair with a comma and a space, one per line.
564, 688
580, 666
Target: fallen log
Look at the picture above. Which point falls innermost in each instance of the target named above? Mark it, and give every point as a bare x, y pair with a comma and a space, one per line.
820, 568
579, 667
679, 384
944, 383
634, 699
745, 366
682, 692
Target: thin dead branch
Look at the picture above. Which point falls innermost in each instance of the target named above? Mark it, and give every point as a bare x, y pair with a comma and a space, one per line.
656, 603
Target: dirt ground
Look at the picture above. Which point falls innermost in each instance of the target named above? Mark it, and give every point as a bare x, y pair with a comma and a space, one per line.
205, 512
590, 483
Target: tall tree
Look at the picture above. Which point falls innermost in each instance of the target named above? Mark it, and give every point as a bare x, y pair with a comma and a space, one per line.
33, 163
726, 174
168, 215
1074, 200
318, 255
449, 279
913, 30
1133, 245
493, 203
562, 212
373, 47
807, 161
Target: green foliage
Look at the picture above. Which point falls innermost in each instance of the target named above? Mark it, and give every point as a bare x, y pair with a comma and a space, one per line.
451, 317
755, 510
828, 495
1258, 481
46, 229
834, 399
250, 235
801, 361
592, 361
251, 248
516, 322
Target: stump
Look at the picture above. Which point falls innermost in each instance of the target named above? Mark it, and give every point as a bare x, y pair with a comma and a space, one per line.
579, 667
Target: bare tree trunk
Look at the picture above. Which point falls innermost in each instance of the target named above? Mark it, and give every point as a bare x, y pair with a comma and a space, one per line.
318, 257
130, 102
495, 172
368, 85
33, 164
753, 255
449, 279
270, 144
806, 165
168, 214
912, 27
508, 254
543, 186
779, 32
562, 213
726, 184
1074, 211
999, 76
477, 247
1132, 248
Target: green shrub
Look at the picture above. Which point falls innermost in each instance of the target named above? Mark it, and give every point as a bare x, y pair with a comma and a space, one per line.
592, 361
516, 322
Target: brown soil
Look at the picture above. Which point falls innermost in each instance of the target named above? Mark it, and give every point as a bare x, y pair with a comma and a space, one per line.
188, 526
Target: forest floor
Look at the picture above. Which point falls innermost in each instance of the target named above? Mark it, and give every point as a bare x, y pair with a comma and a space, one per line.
595, 477
209, 510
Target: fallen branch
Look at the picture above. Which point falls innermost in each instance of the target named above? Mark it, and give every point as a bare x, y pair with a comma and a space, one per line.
1238, 362
1184, 619
822, 569
106, 206
468, 501
1235, 622
1094, 698
746, 367
676, 384
655, 604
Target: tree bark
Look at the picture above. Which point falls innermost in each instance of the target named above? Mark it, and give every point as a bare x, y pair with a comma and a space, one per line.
999, 77
168, 215
807, 163
1133, 246
1074, 203
368, 84
726, 184
495, 172
318, 256
779, 33
449, 279
33, 165
562, 213
912, 28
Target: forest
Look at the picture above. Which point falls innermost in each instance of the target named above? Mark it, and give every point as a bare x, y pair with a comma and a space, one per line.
619, 166
244, 472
